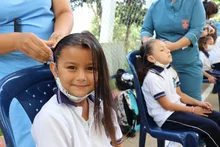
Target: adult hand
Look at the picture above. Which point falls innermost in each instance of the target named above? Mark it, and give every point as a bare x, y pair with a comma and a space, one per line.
34, 47
201, 111
204, 33
145, 39
170, 45
54, 39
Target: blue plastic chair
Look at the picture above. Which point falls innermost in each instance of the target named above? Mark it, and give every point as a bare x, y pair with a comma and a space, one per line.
147, 124
32, 87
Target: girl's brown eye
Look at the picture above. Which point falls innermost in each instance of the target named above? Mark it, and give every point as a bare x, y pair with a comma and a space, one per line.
90, 68
71, 67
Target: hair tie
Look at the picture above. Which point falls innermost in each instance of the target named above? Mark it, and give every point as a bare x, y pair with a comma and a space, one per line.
138, 56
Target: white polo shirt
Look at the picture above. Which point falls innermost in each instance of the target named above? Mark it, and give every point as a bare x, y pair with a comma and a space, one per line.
204, 57
62, 125
215, 52
160, 82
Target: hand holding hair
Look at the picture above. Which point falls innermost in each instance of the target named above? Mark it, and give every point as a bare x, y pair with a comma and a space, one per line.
34, 47
54, 39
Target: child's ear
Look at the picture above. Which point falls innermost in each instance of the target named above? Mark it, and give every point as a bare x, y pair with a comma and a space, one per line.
151, 59
204, 45
53, 69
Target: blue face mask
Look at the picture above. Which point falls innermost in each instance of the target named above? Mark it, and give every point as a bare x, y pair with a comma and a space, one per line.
67, 94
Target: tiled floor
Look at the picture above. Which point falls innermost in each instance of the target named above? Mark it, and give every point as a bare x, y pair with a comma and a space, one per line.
151, 142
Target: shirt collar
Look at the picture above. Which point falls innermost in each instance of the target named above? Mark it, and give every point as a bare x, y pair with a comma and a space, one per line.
176, 5
205, 53
61, 98
159, 69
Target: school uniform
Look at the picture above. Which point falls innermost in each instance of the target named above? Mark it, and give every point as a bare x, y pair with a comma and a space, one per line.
183, 18
204, 56
161, 82
60, 124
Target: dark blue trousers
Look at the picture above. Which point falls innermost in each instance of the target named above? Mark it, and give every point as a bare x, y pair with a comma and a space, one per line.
208, 128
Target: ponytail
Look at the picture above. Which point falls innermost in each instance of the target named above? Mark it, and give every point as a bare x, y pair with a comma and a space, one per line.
142, 64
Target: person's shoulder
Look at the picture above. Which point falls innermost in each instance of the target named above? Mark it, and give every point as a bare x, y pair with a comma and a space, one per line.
153, 76
156, 2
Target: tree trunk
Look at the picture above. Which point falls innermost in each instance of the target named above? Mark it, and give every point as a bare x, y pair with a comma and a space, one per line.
128, 30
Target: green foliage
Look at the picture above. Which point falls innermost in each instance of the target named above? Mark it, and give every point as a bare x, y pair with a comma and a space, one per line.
128, 19
95, 28
130, 12
120, 34
217, 16
0, 132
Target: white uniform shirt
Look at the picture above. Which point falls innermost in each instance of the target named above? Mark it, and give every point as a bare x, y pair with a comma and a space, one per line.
215, 52
62, 125
205, 60
160, 82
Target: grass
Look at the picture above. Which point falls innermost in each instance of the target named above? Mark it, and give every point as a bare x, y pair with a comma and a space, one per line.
0, 132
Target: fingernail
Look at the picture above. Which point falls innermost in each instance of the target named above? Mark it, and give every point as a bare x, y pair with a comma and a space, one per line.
51, 57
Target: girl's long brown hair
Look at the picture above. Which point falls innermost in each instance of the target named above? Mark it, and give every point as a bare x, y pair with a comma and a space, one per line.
102, 86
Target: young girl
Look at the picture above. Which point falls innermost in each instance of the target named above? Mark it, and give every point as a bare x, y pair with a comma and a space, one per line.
73, 117
206, 44
165, 101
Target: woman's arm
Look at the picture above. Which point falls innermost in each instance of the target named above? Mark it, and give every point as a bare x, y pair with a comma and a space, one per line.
197, 23
147, 27
63, 20
28, 43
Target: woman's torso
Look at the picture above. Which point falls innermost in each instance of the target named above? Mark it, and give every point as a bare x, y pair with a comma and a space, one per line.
173, 25
35, 16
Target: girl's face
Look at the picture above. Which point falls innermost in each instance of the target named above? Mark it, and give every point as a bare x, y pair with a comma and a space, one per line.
75, 70
160, 53
209, 44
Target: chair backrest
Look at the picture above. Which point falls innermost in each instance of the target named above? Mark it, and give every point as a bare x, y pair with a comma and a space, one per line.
146, 121
32, 87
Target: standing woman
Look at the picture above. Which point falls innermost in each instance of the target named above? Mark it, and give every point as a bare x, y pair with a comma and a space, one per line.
180, 27
28, 28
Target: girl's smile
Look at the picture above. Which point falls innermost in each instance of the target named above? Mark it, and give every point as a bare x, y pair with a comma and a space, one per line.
75, 70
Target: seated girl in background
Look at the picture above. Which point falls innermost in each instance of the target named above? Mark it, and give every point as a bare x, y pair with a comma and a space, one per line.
205, 45
164, 99
73, 117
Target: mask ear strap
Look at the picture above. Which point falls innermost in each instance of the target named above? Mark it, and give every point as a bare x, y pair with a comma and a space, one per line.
55, 69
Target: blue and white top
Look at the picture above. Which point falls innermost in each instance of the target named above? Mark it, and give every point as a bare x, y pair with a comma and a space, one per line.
35, 16
160, 82
172, 21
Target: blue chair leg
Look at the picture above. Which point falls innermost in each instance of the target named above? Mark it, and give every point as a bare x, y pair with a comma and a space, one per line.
160, 143
218, 89
142, 137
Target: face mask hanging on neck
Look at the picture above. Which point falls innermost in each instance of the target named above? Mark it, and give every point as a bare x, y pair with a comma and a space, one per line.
67, 94
209, 48
157, 63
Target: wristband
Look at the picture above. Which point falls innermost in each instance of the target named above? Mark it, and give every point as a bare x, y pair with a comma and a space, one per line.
193, 109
